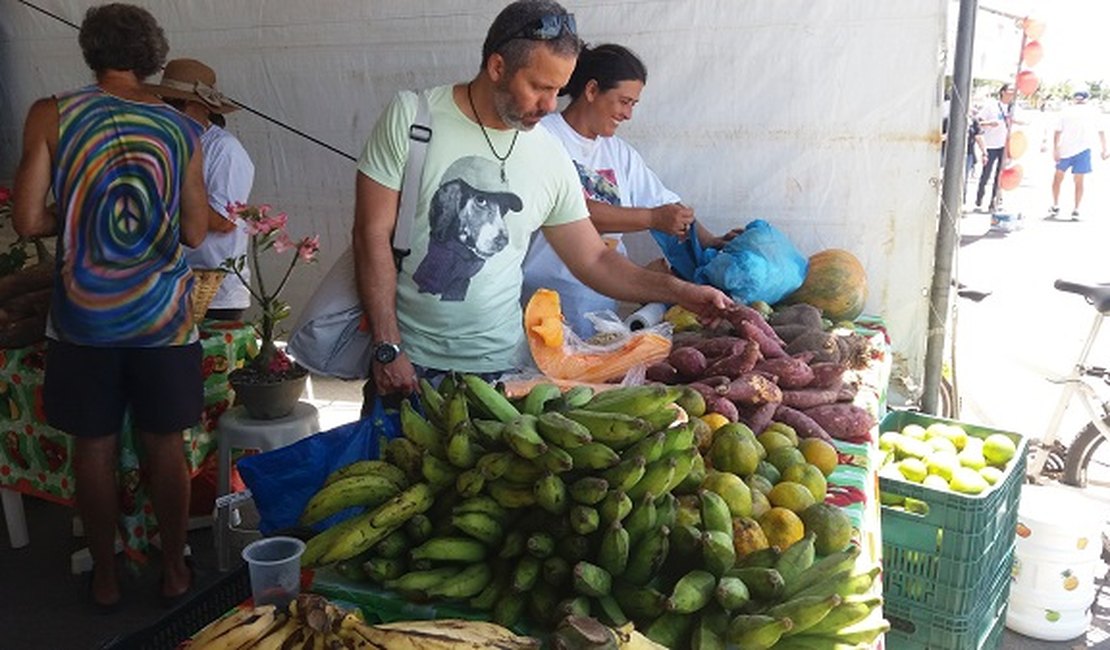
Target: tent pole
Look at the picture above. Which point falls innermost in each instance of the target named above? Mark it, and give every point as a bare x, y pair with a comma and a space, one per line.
951, 204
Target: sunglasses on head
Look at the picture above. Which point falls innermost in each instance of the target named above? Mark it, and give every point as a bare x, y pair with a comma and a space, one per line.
545, 28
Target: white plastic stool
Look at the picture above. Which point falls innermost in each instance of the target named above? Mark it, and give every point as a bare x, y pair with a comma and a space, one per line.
239, 431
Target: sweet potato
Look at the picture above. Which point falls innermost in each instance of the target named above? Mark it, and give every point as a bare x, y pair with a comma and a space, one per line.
792, 331
720, 346
826, 374
769, 347
741, 313
758, 417
753, 388
843, 421
822, 344
688, 362
721, 404
662, 372
809, 397
734, 365
792, 372
714, 381
847, 392
708, 393
797, 314
802, 424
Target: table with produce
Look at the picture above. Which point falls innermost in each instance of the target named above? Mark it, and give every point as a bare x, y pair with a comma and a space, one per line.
579, 512
36, 459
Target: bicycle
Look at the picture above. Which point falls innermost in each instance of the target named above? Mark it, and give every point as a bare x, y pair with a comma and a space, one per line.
1072, 464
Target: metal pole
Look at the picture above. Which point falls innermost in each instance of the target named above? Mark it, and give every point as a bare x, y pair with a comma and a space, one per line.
952, 193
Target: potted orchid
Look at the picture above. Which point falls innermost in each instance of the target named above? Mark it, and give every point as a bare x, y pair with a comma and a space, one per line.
270, 383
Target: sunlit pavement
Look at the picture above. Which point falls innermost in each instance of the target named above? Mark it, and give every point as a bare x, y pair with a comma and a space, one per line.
1009, 344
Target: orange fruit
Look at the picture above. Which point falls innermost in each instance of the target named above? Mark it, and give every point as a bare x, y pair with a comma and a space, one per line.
714, 420
820, 453
782, 527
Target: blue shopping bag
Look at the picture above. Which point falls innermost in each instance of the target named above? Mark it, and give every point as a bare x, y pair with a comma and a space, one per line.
283, 480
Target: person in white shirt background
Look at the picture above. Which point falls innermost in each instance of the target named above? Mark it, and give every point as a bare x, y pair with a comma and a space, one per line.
190, 86
1071, 147
993, 118
622, 193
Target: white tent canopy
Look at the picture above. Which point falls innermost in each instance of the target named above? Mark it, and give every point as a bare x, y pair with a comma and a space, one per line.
820, 116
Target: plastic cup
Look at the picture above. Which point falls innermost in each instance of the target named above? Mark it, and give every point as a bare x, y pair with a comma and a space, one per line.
275, 569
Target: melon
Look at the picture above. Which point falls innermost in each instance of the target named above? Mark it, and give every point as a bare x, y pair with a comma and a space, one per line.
543, 324
835, 283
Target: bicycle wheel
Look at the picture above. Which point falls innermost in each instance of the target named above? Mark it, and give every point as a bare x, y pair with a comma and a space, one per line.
1088, 459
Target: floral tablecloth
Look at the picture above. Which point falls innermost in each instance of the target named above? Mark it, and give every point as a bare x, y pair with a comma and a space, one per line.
36, 459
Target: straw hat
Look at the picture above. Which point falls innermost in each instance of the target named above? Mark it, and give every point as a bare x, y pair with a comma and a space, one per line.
192, 80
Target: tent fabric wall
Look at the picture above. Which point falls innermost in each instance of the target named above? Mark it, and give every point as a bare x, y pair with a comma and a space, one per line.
821, 116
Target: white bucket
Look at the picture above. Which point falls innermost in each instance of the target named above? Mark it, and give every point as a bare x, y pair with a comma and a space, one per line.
1059, 541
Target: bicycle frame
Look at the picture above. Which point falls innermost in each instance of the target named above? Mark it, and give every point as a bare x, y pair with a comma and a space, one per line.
1074, 383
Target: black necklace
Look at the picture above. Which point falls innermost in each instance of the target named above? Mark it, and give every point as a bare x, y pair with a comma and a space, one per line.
501, 159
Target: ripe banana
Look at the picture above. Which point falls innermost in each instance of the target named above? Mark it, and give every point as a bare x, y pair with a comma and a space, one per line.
236, 619
377, 467
383, 520
445, 634
356, 490
259, 621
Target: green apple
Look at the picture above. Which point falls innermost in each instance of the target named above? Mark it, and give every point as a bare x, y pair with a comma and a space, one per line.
967, 481
913, 469
999, 449
991, 474
915, 431
888, 440
936, 482
972, 458
957, 435
940, 443
942, 464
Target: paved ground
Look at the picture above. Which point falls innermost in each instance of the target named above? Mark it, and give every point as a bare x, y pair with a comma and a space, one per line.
1024, 332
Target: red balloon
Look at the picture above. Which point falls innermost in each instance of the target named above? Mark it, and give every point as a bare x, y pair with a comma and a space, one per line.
1033, 28
1027, 82
1032, 53
1010, 177
1017, 144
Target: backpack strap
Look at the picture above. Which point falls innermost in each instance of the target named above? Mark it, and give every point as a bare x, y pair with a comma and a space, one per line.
420, 134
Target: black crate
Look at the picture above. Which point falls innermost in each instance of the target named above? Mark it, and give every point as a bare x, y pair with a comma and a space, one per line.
189, 617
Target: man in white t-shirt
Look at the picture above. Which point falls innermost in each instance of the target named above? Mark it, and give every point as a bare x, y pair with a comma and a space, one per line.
190, 86
993, 118
1071, 147
490, 180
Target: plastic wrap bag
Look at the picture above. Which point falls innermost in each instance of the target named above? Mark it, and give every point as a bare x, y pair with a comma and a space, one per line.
283, 480
758, 264
606, 356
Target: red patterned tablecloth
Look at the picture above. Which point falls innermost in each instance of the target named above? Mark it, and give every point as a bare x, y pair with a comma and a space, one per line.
36, 459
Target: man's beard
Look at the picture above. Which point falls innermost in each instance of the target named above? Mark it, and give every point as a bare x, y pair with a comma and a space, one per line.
508, 111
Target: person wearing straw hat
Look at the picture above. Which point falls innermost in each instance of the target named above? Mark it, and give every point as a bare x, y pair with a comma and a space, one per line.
126, 172
190, 86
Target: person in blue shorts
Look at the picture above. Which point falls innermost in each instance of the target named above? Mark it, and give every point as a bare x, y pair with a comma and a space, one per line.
1072, 147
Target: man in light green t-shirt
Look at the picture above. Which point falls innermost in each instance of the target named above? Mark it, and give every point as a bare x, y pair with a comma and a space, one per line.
490, 181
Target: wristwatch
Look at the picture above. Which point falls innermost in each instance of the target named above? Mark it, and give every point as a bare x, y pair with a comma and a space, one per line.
385, 352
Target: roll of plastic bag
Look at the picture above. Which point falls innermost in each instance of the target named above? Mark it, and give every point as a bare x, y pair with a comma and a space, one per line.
649, 315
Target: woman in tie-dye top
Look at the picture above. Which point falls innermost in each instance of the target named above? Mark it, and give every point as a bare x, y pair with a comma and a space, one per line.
125, 170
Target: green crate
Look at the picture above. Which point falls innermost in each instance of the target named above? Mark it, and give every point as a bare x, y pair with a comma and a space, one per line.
991, 513
913, 627
945, 585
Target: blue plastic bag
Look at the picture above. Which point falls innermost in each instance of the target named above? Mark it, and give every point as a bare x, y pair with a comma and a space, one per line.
283, 480
758, 264
684, 255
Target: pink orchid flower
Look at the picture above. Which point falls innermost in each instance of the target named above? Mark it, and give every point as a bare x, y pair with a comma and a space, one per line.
308, 247
283, 243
